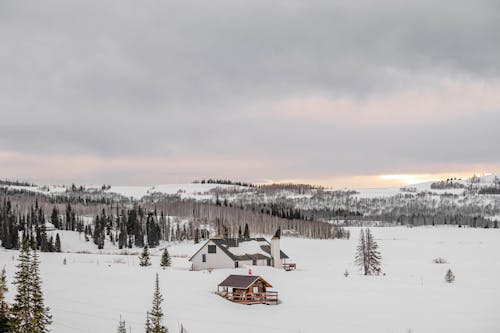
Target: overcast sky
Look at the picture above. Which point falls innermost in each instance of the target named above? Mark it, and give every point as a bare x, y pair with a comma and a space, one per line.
335, 92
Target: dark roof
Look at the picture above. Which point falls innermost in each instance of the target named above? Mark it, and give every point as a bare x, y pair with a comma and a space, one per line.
241, 281
267, 248
226, 243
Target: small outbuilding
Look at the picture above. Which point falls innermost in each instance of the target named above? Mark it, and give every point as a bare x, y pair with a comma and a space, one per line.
247, 289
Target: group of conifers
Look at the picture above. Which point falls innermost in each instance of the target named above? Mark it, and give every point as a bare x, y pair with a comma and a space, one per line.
28, 313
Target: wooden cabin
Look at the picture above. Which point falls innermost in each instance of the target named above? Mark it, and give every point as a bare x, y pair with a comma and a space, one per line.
247, 289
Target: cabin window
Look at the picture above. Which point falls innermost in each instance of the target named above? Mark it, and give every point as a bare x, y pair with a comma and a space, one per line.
235, 264
268, 262
254, 262
204, 258
212, 249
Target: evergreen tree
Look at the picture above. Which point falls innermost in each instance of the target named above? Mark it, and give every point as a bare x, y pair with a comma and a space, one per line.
360, 258
99, 231
156, 312
57, 246
121, 326
29, 314
4, 309
41, 316
54, 218
21, 310
246, 233
145, 258
449, 277
367, 256
165, 259
374, 257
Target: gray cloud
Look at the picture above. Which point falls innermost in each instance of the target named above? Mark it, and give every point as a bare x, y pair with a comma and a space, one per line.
197, 78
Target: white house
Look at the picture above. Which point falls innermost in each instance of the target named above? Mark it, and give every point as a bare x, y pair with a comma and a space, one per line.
234, 252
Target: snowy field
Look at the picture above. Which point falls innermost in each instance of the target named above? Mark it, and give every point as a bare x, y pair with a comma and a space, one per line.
91, 292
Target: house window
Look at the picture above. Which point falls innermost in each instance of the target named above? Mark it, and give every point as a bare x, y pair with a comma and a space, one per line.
268, 262
235, 264
204, 258
254, 262
212, 249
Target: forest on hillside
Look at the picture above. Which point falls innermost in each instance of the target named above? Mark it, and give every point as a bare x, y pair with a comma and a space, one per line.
299, 210
127, 223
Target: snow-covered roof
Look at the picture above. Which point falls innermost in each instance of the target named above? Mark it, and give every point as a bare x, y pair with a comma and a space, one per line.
244, 249
248, 247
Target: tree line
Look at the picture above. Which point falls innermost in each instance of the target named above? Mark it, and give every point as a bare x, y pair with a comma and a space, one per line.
223, 182
30, 227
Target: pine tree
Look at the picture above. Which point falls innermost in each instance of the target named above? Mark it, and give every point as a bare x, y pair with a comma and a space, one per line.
54, 218
57, 246
449, 277
121, 326
29, 313
360, 258
374, 257
21, 310
41, 315
156, 313
367, 256
246, 233
145, 258
165, 259
4, 314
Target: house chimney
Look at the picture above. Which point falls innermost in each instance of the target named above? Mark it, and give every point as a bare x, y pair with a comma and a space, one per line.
275, 249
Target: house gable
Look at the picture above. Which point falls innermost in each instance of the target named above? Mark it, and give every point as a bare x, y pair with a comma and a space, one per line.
213, 241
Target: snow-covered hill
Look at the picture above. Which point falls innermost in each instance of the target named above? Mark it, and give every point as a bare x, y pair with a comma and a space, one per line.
473, 182
460, 197
188, 190
202, 191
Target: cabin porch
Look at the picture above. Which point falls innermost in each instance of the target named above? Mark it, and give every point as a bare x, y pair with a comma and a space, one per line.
247, 289
267, 297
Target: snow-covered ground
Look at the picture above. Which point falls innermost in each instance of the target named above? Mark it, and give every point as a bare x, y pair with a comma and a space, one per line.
91, 292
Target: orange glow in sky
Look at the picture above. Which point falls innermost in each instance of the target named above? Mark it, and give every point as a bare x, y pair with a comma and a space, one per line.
374, 181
